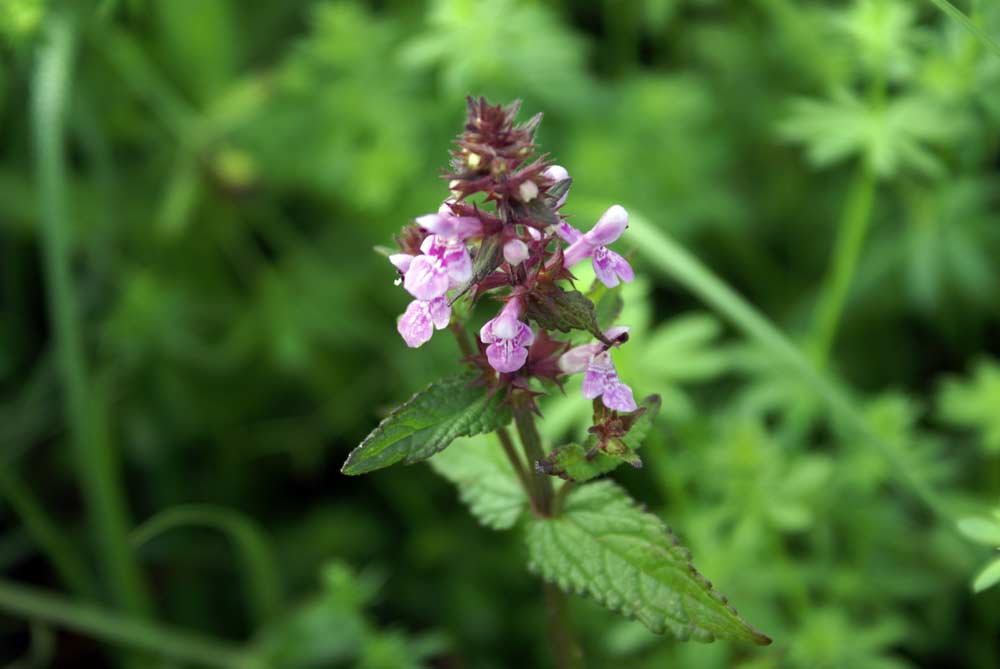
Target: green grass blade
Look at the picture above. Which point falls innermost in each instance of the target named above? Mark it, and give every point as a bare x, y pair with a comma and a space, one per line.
100, 623
260, 568
96, 461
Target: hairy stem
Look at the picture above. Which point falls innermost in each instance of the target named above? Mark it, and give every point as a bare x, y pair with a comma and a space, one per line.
851, 233
568, 654
564, 645
673, 260
461, 338
96, 461
98, 622
533, 451
518, 465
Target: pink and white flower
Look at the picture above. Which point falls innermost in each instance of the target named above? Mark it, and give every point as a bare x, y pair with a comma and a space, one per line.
557, 173
600, 377
444, 262
608, 265
421, 318
507, 338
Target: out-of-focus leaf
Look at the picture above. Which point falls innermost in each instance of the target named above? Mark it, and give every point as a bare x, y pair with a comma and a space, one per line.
427, 423
988, 577
973, 403
895, 136
604, 546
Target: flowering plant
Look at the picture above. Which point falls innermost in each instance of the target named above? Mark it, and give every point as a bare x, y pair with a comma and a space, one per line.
501, 235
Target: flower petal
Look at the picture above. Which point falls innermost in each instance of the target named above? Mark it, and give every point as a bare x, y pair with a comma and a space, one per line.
401, 261
577, 251
578, 358
426, 278
415, 324
604, 267
609, 227
505, 357
620, 266
440, 312
567, 232
618, 396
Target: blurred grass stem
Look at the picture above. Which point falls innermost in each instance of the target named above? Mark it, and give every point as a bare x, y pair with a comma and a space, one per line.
100, 623
851, 234
96, 462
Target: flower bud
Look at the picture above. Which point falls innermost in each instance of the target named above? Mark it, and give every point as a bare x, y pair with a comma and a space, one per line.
515, 252
527, 191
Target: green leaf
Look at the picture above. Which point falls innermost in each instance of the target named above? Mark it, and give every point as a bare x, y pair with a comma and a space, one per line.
570, 462
604, 546
608, 303
973, 403
427, 423
988, 577
980, 530
553, 308
485, 479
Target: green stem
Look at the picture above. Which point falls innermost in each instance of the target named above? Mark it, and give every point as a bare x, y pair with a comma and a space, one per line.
564, 645
953, 12
96, 463
98, 622
518, 465
673, 260
851, 233
533, 451
565, 648
60, 551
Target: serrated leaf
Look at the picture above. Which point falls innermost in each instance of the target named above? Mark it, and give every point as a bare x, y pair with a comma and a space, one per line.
570, 462
553, 308
485, 480
605, 547
427, 423
988, 577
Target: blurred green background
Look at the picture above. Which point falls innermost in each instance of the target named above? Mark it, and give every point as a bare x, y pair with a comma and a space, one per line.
227, 335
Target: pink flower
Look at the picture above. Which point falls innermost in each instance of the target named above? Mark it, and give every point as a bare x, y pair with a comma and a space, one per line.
600, 377
421, 317
445, 262
508, 338
608, 265
446, 225
443, 265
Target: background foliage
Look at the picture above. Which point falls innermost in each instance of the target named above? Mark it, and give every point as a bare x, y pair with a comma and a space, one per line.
229, 166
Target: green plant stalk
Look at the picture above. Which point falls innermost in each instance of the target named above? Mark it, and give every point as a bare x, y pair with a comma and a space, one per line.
96, 463
515, 461
955, 14
260, 572
533, 451
100, 623
565, 648
568, 654
851, 233
70, 567
674, 261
